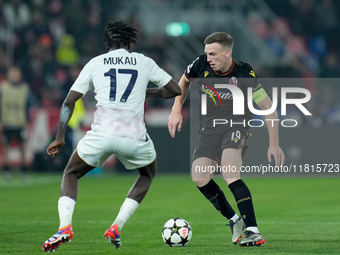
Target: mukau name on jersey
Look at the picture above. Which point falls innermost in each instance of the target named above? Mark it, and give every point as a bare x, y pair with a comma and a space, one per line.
120, 61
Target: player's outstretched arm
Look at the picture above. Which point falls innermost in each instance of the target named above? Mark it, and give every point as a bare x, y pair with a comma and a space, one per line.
64, 117
175, 119
170, 90
274, 149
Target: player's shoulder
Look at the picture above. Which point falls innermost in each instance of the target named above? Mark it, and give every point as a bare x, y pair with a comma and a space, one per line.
243, 65
97, 59
246, 69
202, 58
144, 60
198, 64
138, 54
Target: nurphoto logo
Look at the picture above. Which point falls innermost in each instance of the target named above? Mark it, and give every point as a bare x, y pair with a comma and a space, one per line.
238, 98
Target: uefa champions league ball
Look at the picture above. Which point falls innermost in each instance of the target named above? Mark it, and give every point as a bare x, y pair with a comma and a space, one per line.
176, 232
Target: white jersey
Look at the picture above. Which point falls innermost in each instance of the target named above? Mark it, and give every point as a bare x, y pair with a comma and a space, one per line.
120, 80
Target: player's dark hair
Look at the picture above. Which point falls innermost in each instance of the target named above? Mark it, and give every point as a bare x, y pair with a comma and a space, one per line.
119, 34
222, 38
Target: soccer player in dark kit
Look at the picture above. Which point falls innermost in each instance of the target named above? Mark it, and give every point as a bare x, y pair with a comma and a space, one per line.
225, 144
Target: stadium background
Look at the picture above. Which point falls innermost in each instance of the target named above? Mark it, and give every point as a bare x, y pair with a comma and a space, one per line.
51, 41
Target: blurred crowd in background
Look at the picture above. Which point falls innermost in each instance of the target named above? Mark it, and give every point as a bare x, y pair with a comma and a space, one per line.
50, 40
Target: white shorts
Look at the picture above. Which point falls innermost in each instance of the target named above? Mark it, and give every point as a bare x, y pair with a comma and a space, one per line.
96, 147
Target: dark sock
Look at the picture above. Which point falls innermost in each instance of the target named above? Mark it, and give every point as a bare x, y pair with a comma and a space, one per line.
244, 202
24, 169
6, 172
215, 195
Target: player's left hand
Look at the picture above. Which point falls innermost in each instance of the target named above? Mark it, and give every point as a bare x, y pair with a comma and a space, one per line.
175, 121
55, 147
278, 155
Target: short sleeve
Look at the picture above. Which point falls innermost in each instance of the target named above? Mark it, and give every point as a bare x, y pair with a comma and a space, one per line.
156, 74
250, 77
258, 92
83, 83
192, 69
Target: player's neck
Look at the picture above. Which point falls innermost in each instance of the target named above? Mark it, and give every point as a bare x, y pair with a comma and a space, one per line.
228, 65
125, 48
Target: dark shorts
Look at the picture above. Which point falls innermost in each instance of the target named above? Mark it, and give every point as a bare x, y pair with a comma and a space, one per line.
10, 134
211, 145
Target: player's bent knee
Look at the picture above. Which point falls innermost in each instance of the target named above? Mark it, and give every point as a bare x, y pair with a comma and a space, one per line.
149, 170
77, 170
200, 182
71, 171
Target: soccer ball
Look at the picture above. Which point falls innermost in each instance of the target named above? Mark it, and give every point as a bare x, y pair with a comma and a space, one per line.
176, 232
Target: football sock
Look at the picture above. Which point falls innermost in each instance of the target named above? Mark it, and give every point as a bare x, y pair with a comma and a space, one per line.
253, 229
234, 218
6, 172
23, 169
23, 172
128, 208
244, 202
65, 209
215, 195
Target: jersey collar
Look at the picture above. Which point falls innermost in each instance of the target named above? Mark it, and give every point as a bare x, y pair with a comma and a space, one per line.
119, 50
227, 72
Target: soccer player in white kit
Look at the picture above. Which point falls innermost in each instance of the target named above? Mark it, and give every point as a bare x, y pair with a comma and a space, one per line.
120, 80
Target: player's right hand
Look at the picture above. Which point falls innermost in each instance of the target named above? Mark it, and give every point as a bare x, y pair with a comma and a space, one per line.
175, 120
55, 147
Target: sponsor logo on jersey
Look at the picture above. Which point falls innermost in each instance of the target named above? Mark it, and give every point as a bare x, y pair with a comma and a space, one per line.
211, 92
206, 73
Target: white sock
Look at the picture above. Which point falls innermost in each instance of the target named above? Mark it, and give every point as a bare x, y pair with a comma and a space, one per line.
128, 208
234, 218
65, 209
253, 229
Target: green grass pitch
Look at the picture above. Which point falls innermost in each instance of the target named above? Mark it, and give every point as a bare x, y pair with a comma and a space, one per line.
296, 216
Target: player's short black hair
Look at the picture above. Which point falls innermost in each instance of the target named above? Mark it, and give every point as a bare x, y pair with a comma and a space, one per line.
222, 38
119, 34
